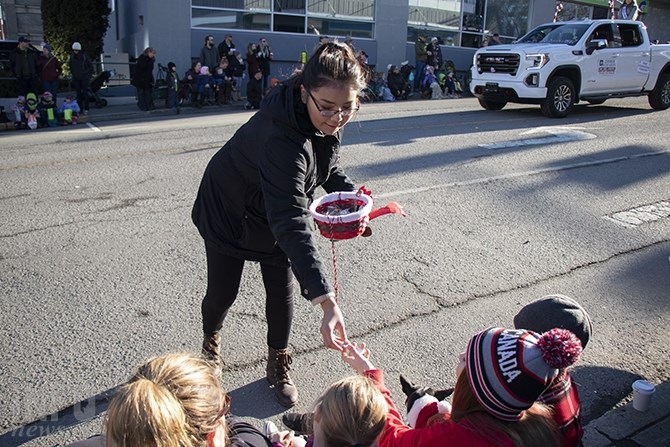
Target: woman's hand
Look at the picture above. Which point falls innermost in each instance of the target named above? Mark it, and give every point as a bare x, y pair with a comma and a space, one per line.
358, 357
332, 325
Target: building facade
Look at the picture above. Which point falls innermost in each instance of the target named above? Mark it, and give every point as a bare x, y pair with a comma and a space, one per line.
385, 29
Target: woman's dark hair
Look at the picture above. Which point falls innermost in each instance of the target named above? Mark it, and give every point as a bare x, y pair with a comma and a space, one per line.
332, 63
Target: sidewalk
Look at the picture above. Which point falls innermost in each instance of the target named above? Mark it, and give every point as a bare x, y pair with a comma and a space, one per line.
125, 107
623, 426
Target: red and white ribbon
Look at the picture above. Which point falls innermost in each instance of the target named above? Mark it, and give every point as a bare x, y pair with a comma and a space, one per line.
559, 8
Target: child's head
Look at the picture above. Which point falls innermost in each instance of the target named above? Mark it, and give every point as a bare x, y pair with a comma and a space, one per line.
508, 370
204, 70
172, 66
31, 101
553, 311
351, 411
47, 97
69, 98
172, 400
21, 100
258, 75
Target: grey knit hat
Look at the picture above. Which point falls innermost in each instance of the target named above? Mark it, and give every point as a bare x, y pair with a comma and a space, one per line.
555, 311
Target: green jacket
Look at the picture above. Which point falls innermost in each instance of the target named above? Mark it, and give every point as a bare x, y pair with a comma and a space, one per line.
420, 50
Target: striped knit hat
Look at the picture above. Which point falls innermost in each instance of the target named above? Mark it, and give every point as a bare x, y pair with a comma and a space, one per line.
509, 369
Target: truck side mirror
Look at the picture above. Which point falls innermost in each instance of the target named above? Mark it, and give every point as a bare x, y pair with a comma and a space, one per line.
595, 44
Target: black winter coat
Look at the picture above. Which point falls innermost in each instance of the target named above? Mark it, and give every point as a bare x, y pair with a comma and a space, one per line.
253, 201
23, 63
143, 75
80, 66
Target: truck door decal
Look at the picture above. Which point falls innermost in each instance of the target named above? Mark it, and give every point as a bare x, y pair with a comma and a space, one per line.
643, 67
606, 67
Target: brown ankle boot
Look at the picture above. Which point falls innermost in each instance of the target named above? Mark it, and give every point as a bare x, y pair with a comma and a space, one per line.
279, 364
211, 349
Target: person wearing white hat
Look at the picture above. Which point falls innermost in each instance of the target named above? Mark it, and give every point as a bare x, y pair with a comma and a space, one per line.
435, 58
81, 68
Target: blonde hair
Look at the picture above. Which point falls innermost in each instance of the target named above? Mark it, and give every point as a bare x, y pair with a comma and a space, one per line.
352, 412
536, 426
174, 400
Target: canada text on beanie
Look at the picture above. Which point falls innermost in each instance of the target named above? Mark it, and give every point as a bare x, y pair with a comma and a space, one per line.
509, 369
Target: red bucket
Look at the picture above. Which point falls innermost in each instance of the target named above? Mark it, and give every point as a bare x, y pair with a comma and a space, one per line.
341, 215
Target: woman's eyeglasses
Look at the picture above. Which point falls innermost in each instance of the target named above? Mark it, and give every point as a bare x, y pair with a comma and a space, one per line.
346, 113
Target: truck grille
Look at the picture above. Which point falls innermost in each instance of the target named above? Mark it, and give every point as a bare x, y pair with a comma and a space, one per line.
507, 63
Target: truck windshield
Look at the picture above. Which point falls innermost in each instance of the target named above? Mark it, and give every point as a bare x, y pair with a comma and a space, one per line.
564, 33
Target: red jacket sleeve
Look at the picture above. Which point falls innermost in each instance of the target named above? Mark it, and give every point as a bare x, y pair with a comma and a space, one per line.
397, 434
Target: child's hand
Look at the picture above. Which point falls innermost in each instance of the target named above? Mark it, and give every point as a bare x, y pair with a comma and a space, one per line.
357, 357
285, 438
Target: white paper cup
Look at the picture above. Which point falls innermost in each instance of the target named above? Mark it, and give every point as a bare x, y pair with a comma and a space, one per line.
642, 392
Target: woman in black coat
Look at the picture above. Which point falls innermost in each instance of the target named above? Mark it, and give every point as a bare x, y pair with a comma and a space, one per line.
143, 79
253, 202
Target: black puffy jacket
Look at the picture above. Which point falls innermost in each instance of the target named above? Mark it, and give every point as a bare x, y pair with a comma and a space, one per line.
253, 201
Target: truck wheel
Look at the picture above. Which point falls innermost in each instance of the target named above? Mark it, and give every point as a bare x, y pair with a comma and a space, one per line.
659, 98
560, 98
491, 105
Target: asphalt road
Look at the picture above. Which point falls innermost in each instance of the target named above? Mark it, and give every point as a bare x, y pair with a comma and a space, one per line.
101, 267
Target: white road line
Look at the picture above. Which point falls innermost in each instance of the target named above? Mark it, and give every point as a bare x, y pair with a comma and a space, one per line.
512, 175
93, 127
557, 135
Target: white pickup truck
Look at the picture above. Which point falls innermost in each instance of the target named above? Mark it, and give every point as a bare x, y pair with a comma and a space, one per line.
559, 64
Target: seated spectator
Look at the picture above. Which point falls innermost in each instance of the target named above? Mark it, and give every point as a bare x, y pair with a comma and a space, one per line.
407, 72
396, 83
562, 312
273, 83
499, 378
31, 111
446, 84
431, 87
69, 111
255, 91
205, 87
18, 109
190, 83
48, 111
351, 412
174, 400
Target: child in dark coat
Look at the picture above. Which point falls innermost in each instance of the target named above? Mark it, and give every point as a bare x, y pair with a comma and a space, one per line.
48, 110
255, 91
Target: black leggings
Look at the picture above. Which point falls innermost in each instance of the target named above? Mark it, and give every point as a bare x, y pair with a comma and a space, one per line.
224, 274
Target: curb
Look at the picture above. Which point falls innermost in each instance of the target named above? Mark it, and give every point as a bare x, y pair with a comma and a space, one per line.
625, 426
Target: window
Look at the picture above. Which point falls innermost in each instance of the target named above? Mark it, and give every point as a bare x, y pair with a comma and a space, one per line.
434, 18
332, 17
574, 11
509, 19
630, 35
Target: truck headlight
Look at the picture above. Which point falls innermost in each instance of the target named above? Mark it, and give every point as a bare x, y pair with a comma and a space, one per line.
537, 61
